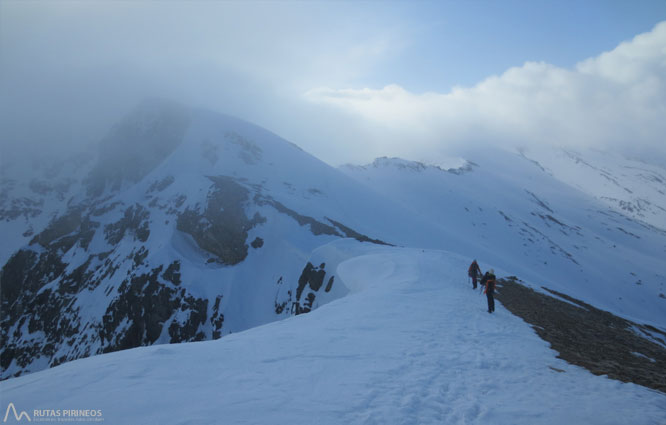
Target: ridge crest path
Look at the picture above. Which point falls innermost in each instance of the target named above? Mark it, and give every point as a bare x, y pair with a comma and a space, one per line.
411, 344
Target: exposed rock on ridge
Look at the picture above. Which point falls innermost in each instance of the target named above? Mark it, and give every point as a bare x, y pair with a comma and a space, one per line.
586, 336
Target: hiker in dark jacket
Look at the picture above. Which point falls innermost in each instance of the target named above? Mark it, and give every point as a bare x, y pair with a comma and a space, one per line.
488, 280
474, 272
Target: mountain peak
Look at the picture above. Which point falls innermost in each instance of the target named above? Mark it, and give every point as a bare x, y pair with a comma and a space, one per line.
451, 165
138, 143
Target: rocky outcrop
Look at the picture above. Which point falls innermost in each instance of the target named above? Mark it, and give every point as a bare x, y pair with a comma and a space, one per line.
316, 227
217, 318
586, 336
351, 233
222, 227
134, 221
144, 304
31, 305
41, 314
309, 283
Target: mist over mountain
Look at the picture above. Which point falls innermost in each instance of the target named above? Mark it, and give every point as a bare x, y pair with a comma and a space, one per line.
265, 212
189, 225
186, 225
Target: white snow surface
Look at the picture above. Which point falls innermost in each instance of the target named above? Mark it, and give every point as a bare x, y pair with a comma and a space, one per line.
411, 343
629, 186
503, 209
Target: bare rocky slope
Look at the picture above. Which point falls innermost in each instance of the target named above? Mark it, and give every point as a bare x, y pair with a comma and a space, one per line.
597, 340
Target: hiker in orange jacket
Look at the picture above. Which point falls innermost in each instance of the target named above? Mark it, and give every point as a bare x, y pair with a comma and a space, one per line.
474, 271
488, 280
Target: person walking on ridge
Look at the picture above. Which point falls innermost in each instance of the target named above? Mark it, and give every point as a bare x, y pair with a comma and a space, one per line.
474, 271
488, 280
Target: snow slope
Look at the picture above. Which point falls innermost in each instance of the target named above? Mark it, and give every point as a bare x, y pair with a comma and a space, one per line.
505, 210
629, 186
410, 344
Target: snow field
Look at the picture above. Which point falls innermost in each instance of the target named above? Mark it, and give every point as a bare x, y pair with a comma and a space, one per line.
412, 343
509, 212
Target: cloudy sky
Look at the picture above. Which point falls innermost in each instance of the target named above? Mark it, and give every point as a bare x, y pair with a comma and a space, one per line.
347, 81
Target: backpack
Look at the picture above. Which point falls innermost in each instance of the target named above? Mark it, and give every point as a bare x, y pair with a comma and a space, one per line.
490, 281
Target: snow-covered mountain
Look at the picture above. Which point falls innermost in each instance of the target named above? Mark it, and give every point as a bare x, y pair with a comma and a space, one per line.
185, 225
632, 187
188, 225
513, 214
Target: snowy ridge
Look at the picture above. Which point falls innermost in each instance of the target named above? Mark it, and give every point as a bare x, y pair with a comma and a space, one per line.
408, 344
458, 165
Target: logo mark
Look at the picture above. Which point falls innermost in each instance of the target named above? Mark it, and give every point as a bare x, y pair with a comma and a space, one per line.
17, 416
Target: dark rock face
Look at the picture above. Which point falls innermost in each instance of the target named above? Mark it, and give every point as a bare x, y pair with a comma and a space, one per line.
25, 301
40, 293
257, 243
144, 305
217, 318
351, 233
135, 221
50, 319
14, 280
329, 285
316, 227
59, 227
221, 228
312, 278
280, 303
594, 339
172, 273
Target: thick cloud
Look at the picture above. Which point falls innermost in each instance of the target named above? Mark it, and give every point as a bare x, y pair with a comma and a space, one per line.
616, 100
69, 70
